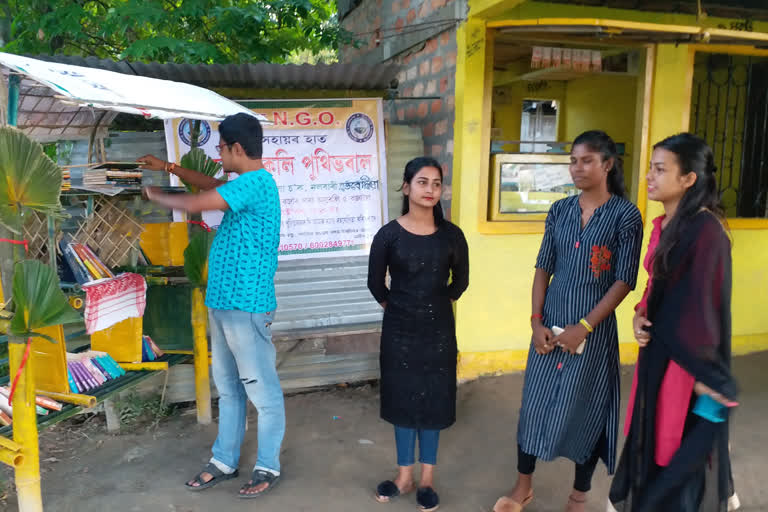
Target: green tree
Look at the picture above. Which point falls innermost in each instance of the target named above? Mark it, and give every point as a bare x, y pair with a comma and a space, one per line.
191, 31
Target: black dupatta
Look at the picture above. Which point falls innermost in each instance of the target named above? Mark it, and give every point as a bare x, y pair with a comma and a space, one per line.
690, 308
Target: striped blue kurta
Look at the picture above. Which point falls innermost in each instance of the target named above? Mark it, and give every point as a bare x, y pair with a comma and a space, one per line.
569, 401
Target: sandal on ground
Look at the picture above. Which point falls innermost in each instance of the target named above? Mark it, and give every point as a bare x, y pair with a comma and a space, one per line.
218, 477
574, 504
507, 504
259, 477
387, 490
427, 499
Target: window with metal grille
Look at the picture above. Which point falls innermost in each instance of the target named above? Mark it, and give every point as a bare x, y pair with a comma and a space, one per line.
730, 111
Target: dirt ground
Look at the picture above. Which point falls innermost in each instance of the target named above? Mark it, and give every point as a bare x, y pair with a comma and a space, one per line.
337, 450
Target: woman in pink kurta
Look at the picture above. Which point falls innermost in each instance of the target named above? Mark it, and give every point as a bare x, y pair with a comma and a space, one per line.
677, 386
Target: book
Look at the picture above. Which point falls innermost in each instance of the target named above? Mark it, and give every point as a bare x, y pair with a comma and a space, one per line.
98, 366
71, 379
158, 352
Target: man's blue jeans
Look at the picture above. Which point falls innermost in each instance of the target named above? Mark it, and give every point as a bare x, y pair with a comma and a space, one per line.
244, 368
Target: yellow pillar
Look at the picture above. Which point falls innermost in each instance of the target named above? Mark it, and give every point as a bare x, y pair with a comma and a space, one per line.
670, 110
474, 82
25, 433
202, 378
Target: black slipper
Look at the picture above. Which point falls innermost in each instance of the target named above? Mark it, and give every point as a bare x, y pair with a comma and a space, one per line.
427, 499
216, 473
259, 477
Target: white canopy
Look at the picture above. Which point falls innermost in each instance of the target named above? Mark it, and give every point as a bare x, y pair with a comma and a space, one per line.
76, 93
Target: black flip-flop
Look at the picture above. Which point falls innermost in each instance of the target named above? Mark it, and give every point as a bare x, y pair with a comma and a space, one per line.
427, 499
218, 477
387, 491
258, 477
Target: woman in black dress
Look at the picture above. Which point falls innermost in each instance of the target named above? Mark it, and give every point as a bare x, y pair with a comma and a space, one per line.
422, 251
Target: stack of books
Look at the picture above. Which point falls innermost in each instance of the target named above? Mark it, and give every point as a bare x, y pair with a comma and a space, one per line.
85, 265
95, 176
150, 351
120, 178
66, 178
89, 370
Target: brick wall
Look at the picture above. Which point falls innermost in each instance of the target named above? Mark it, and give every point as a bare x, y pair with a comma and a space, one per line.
419, 36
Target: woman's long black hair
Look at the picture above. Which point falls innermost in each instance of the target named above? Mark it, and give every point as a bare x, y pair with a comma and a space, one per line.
411, 169
600, 142
693, 155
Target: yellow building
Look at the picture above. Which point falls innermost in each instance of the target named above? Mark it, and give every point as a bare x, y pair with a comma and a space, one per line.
641, 75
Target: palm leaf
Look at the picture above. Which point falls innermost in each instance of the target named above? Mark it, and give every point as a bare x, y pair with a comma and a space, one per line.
28, 179
38, 299
198, 161
196, 257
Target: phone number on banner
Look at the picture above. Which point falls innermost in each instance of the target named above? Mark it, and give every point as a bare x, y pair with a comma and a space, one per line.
315, 245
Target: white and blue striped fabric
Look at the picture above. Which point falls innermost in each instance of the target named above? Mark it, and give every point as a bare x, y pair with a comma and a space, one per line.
570, 401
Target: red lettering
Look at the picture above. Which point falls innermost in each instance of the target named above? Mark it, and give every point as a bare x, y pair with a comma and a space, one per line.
280, 120
303, 119
326, 118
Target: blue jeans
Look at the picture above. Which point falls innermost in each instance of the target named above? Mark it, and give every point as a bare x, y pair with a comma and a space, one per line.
405, 439
244, 368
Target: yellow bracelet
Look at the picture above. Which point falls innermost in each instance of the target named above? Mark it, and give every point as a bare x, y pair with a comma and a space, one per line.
584, 322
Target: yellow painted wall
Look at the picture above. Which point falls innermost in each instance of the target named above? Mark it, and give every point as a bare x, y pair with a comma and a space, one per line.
583, 106
492, 318
603, 102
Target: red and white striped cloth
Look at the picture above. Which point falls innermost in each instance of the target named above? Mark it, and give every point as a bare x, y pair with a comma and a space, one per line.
109, 301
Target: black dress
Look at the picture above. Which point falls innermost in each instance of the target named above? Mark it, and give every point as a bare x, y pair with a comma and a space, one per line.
418, 335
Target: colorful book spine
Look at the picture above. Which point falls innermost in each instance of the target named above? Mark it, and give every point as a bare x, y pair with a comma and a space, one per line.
5, 420
71, 378
158, 352
88, 263
113, 368
95, 259
81, 273
42, 401
88, 363
118, 369
90, 379
98, 366
80, 380
5, 406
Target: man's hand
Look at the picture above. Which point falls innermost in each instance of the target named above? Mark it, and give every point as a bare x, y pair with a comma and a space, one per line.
152, 193
152, 163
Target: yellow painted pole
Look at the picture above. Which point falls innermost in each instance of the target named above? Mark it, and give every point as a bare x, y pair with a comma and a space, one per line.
11, 458
86, 401
202, 362
25, 433
150, 366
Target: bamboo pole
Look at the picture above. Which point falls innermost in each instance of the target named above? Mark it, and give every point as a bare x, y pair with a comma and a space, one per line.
202, 377
25, 433
86, 401
11, 458
150, 366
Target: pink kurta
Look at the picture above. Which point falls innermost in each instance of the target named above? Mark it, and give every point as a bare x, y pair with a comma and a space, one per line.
676, 387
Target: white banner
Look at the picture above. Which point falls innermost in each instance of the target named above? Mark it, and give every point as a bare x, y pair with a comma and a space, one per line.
328, 160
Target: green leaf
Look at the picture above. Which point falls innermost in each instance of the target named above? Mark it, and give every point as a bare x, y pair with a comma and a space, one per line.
197, 160
38, 299
28, 179
196, 257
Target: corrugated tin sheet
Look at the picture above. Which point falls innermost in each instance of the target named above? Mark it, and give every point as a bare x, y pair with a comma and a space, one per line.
259, 75
323, 292
404, 143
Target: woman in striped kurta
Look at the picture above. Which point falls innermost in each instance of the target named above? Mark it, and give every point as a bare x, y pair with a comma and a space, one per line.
587, 264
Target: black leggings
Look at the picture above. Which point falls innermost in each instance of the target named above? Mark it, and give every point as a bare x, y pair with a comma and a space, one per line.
582, 481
